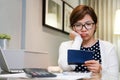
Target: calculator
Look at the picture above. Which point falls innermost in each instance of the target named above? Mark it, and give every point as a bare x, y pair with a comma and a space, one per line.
38, 72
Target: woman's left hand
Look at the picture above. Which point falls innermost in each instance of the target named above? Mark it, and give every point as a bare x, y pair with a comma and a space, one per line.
93, 65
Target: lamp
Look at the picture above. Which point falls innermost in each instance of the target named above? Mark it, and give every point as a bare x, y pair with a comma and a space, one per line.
117, 31
117, 22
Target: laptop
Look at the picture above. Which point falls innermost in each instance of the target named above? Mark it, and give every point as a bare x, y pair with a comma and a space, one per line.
4, 65
79, 56
33, 72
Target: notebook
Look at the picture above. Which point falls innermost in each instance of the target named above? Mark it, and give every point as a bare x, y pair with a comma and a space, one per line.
79, 56
4, 65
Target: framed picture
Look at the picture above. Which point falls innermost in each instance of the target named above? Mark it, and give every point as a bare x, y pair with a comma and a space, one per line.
53, 14
67, 11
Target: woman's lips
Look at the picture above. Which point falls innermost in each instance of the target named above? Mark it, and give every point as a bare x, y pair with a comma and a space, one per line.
83, 35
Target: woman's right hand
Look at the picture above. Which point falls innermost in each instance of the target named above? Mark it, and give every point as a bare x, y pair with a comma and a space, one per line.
77, 40
73, 34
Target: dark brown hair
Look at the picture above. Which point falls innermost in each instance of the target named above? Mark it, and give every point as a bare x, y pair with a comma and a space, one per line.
79, 12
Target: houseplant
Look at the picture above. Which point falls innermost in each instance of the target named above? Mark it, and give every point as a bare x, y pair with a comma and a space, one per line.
4, 39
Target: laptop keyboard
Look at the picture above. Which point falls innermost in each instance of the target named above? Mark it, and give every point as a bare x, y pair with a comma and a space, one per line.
38, 72
16, 71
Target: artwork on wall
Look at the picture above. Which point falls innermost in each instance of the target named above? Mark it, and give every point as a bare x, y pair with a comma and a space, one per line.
56, 15
53, 13
67, 11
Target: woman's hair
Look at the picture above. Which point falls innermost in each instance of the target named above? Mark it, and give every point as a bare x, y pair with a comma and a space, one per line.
79, 12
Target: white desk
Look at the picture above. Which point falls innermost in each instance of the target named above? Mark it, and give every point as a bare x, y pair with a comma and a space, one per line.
60, 76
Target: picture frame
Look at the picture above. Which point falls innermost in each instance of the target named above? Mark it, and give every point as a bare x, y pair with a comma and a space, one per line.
67, 11
53, 14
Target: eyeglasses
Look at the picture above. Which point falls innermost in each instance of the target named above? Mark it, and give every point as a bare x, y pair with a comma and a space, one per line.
87, 25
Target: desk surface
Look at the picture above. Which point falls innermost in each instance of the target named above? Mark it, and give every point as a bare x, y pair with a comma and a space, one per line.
60, 76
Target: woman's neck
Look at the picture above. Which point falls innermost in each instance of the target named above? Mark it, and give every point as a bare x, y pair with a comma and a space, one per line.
89, 43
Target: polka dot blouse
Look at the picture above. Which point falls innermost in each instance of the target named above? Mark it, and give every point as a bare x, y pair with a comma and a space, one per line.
97, 56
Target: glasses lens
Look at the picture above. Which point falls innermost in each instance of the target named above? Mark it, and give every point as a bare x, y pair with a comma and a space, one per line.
78, 25
89, 25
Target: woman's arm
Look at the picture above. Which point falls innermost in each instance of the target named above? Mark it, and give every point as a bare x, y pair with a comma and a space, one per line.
77, 40
62, 60
110, 65
73, 44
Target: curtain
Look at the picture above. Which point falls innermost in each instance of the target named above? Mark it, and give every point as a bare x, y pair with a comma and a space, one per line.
105, 10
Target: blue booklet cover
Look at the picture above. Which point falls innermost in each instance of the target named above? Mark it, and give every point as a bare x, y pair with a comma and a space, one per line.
79, 56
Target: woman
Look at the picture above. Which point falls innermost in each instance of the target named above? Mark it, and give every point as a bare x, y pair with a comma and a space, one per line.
83, 21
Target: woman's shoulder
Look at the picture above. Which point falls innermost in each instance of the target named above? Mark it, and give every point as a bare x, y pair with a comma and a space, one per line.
105, 43
67, 42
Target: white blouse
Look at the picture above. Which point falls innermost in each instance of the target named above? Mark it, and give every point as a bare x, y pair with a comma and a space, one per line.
108, 55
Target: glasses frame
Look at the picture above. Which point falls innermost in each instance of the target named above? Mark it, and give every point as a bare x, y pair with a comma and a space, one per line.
84, 25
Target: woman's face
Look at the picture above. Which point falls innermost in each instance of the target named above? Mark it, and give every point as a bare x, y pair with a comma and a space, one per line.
85, 28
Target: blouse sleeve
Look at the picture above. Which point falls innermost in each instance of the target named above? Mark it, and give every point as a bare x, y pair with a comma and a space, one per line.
62, 60
111, 65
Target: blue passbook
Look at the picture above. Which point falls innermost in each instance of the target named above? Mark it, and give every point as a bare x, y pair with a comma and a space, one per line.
79, 56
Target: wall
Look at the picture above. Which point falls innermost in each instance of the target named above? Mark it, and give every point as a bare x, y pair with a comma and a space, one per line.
22, 19
38, 37
10, 21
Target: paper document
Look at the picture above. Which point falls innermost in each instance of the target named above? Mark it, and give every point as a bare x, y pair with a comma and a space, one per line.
72, 75
17, 75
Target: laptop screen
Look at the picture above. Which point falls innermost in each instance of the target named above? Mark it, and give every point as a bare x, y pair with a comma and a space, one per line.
3, 62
